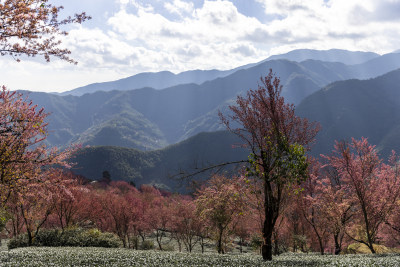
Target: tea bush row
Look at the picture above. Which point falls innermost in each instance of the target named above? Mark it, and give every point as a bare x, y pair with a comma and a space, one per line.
73, 237
44, 256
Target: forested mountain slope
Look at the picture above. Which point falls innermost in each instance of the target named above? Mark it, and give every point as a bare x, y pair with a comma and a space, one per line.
357, 108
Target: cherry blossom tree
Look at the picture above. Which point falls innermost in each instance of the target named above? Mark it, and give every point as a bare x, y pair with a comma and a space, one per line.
32, 27
34, 203
374, 187
222, 204
22, 152
68, 201
159, 218
312, 208
335, 205
185, 224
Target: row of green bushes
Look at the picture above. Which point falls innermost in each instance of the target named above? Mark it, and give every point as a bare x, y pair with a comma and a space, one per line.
72, 237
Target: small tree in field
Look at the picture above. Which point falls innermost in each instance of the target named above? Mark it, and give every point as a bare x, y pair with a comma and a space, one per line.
30, 27
311, 206
221, 205
277, 140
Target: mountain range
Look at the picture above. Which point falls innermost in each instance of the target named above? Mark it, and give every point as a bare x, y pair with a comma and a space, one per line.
165, 79
136, 129
149, 119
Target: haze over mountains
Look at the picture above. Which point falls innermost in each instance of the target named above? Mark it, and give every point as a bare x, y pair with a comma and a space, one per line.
183, 105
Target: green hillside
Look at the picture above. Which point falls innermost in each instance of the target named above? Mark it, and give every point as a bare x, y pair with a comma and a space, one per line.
159, 166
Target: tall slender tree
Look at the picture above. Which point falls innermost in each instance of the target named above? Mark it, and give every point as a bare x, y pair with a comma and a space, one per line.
277, 140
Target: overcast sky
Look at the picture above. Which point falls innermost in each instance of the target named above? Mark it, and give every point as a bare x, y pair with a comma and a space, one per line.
126, 37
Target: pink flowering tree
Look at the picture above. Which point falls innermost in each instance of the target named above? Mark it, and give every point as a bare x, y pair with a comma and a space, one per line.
373, 187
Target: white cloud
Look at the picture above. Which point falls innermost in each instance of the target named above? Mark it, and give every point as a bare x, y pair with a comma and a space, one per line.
178, 35
201, 40
353, 25
179, 7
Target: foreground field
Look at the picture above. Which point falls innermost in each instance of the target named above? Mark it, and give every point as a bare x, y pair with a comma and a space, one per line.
44, 256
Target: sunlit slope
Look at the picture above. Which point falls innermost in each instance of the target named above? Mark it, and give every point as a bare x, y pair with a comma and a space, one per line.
357, 108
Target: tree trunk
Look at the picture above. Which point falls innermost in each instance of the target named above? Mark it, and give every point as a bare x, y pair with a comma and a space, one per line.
267, 250
276, 245
321, 246
338, 247
371, 247
219, 243
267, 236
271, 213
202, 244
30, 238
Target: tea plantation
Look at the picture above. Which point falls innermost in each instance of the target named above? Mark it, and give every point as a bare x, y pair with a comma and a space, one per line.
45, 256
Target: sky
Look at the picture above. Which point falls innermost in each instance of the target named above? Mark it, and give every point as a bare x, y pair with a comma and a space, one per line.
126, 37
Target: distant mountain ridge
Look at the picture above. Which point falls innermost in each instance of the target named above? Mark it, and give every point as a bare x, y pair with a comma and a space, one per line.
165, 79
156, 80
332, 55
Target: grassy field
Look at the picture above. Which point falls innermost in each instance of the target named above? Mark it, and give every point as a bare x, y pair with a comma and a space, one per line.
44, 256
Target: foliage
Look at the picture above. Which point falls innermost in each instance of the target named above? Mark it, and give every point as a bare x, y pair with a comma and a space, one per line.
31, 27
147, 245
72, 237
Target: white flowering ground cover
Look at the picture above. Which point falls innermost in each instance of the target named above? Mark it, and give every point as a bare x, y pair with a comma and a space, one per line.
44, 256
